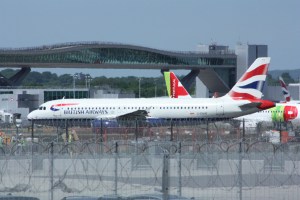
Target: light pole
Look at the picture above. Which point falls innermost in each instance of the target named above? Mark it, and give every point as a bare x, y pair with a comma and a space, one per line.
140, 87
155, 89
88, 79
74, 77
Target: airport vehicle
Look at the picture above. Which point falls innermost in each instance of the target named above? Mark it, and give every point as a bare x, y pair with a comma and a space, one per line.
5, 117
244, 98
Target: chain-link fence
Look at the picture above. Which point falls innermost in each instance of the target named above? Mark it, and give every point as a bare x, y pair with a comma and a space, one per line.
199, 161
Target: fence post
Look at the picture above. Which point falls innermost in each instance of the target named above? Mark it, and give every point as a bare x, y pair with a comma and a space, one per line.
240, 171
165, 175
136, 130
207, 137
116, 169
57, 133
101, 130
32, 130
179, 170
171, 123
51, 170
67, 131
101, 135
32, 136
280, 131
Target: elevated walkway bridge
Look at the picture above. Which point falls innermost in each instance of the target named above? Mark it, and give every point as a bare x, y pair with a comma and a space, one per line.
216, 69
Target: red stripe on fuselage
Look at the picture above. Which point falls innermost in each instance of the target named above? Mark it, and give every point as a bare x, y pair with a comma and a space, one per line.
65, 104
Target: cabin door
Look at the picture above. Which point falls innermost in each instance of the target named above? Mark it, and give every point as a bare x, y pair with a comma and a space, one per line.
220, 110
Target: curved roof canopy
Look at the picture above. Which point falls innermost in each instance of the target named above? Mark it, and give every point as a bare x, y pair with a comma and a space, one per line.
112, 55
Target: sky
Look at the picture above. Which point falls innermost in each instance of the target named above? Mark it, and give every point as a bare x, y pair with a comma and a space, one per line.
178, 25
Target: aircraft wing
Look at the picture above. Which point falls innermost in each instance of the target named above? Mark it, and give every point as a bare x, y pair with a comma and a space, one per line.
137, 114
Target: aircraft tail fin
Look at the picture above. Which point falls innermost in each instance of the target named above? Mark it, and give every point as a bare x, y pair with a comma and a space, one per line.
250, 85
284, 89
174, 87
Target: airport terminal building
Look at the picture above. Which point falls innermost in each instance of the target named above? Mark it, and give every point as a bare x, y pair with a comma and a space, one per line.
215, 67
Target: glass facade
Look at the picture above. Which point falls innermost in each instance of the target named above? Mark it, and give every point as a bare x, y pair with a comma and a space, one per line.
52, 95
6, 92
114, 54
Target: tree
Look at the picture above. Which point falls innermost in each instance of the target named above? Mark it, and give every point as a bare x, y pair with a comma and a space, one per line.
287, 78
271, 81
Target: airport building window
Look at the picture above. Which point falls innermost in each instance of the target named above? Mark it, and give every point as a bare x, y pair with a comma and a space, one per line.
6, 92
53, 95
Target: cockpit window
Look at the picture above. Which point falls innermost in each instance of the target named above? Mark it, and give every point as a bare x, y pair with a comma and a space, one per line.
42, 108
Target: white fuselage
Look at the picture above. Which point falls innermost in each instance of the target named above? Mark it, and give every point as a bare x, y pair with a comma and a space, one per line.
166, 108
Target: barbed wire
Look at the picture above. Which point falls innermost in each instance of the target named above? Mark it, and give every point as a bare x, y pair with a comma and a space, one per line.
92, 167
203, 161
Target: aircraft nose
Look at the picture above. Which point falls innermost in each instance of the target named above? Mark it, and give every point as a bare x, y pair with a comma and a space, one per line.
30, 116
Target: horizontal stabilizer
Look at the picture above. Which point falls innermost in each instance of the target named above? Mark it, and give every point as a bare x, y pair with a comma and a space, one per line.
250, 105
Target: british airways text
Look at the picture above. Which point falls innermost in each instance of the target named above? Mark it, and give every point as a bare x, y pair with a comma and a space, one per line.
89, 112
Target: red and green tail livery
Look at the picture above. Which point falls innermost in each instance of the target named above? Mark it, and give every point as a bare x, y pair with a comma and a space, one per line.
174, 87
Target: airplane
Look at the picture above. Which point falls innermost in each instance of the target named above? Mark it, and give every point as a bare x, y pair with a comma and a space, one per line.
285, 113
284, 89
286, 92
244, 98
